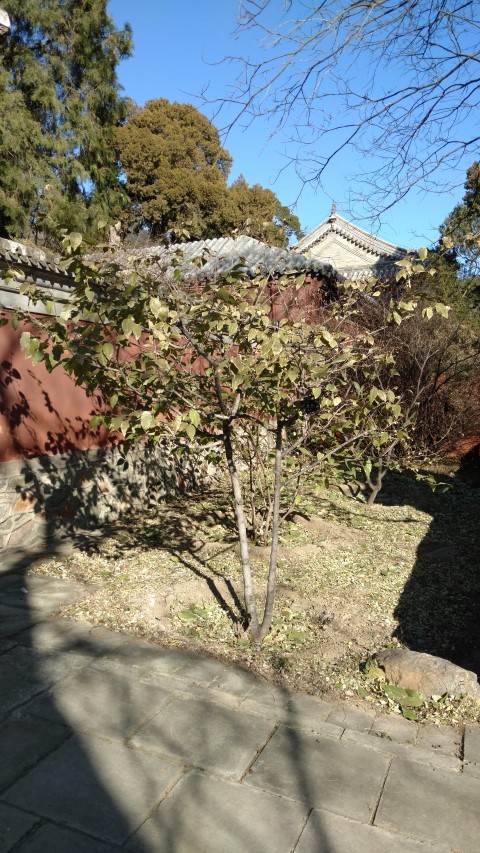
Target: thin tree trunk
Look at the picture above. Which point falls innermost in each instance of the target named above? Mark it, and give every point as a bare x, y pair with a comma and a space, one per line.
249, 595
272, 570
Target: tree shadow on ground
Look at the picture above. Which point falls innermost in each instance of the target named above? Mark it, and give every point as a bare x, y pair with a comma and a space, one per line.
439, 608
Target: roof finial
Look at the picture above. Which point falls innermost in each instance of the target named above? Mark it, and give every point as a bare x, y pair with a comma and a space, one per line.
333, 211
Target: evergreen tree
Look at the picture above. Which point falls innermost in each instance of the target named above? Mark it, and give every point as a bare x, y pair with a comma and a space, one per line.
59, 105
461, 234
176, 177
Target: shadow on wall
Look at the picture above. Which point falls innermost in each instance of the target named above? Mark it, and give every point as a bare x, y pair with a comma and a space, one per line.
66, 480
33, 423
439, 608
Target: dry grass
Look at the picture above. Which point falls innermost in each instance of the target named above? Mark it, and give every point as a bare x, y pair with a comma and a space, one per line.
352, 580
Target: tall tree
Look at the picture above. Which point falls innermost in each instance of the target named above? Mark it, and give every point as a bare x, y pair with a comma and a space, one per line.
59, 104
396, 81
461, 233
176, 176
257, 211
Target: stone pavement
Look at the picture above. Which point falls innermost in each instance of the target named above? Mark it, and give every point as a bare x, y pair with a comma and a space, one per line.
111, 744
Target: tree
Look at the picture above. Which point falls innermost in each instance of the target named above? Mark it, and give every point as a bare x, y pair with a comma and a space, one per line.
396, 81
257, 211
176, 176
59, 105
234, 367
461, 234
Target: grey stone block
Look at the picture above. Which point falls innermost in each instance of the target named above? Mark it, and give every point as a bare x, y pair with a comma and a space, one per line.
59, 634
234, 680
48, 667
202, 670
100, 787
403, 750
350, 718
101, 703
55, 839
204, 814
321, 772
270, 694
143, 657
472, 744
14, 824
440, 738
15, 685
309, 706
205, 735
45, 597
23, 741
14, 619
300, 721
395, 728
432, 804
331, 833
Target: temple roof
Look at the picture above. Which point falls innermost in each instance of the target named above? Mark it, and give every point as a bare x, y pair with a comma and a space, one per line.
353, 252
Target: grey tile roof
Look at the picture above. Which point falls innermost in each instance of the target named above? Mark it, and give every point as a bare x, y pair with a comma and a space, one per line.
21, 254
222, 254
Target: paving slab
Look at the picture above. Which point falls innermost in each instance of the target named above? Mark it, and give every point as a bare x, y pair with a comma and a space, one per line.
101, 703
23, 741
223, 817
472, 744
14, 619
205, 735
16, 686
351, 718
395, 728
441, 739
300, 721
97, 786
43, 594
56, 839
14, 825
330, 833
236, 681
48, 667
139, 655
404, 750
202, 671
432, 804
57, 634
321, 772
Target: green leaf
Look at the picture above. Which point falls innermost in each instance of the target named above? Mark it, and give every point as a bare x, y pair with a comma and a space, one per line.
422, 253
75, 239
442, 309
409, 714
107, 349
146, 420
397, 694
194, 417
190, 431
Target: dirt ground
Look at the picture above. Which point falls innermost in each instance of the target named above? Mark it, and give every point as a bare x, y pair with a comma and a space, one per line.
352, 580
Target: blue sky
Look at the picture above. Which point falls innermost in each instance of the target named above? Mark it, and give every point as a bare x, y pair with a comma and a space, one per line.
178, 51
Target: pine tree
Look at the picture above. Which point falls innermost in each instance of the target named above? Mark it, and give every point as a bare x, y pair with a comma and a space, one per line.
59, 105
176, 177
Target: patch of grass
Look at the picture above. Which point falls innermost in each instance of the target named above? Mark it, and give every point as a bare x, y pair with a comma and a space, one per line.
352, 580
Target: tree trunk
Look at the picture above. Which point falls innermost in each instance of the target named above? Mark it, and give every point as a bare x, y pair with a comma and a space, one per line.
249, 594
272, 570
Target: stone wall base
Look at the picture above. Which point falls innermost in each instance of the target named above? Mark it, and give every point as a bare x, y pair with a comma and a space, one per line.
51, 497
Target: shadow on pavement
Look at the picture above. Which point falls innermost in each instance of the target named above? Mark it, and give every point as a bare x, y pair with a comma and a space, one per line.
439, 608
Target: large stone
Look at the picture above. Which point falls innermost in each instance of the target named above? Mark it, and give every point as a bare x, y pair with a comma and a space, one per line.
427, 674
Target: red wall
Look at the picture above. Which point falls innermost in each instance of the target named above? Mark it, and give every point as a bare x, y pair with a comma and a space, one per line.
41, 412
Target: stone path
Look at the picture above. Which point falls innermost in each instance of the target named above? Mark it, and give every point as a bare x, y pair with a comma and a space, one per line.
111, 744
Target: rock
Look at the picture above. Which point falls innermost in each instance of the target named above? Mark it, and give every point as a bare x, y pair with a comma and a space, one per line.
428, 675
